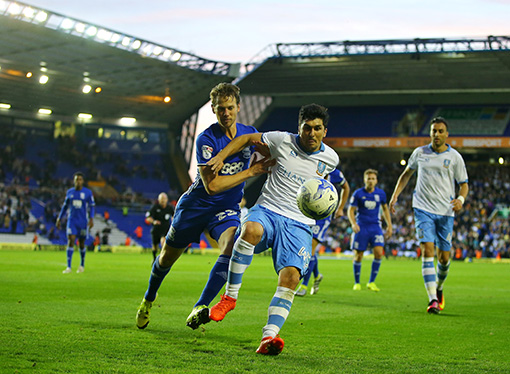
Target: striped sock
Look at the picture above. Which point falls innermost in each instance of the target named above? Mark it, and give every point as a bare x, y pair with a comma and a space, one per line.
217, 279
429, 277
83, 252
357, 270
442, 273
69, 253
157, 275
376, 264
239, 262
278, 311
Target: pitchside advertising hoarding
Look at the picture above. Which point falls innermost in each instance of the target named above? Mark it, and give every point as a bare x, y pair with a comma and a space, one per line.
413, 142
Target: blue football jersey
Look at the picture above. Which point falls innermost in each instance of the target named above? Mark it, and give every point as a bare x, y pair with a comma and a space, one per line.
209, 143
81, 205
368, 204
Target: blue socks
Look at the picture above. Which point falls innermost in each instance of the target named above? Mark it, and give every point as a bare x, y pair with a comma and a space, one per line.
70, 252
357, 270
376, 264
82, 254
217, 279
157, 275
312, 266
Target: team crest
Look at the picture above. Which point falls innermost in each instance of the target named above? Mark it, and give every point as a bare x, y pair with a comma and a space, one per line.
446, 164
321, 167
82, 195
207, 152
376, 197
246, 152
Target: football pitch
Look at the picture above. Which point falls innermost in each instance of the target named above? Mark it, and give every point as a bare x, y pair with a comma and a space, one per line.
85, 323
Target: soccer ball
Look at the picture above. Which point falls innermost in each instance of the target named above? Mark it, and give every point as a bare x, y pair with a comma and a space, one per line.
317, 198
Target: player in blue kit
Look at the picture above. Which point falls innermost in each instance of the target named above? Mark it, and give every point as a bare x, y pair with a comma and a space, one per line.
319, 234
434, 203
211, 203
276, 221
364, 216
80, 202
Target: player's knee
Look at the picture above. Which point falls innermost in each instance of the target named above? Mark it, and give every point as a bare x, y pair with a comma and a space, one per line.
252, 232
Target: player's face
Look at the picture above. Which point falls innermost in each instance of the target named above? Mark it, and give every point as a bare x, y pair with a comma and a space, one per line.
163, 200
226, 110
311, 134
78, 182
370, 181
438, 135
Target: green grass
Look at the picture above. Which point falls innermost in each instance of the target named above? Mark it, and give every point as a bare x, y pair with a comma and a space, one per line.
53, 322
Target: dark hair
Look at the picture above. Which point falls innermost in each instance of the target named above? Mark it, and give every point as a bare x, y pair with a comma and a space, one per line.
312, 111
225, 90
78, 174
439, 120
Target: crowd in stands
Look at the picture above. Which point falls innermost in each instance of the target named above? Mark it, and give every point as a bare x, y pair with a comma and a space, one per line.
482, 228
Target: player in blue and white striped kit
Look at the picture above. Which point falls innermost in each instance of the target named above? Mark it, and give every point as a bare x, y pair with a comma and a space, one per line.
276, 221
211, 203
366, 226
439, 166
80, 202
319, 234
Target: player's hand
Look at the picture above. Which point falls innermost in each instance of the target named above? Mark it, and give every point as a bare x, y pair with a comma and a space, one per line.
156, 222
262, 166
91, 223
355, 228
339, 213
456, 205
262, 148
388, 233
393, 202
216, 164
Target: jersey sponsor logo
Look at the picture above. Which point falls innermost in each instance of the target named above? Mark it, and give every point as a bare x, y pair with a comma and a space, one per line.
446, 163
207, 152
282, 171
246, 152
233, 168
77, 204
321, 168
370, 204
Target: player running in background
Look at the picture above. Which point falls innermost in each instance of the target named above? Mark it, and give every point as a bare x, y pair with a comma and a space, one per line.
80, 202
364, 216
211, 203
276, 221
434, 203
319, 234
159, 216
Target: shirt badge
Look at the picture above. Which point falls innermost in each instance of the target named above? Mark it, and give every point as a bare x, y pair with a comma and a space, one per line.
207, 152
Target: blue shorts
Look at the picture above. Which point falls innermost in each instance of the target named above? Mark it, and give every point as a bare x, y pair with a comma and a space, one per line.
190, 221
290, 240
79, 229
368, 234
433, 228
320, 228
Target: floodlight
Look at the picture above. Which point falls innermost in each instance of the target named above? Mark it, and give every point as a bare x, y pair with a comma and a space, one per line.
41, 16
67, 24
5, 106
501, 160
157, 50
86, 88
136, 44
125, 41
115, 38
127, 121
28, 74
28, 12
43, 79
167, 99
176, 57
14, 9
403, 162
98, 90
167, 54
92, 30
104, 34
44, 111
80, 27
85, 115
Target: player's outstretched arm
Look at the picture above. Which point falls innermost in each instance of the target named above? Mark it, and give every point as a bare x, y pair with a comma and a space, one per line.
236, 145
344, 196
399, 187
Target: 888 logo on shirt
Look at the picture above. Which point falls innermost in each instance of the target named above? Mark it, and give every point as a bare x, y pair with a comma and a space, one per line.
233, 168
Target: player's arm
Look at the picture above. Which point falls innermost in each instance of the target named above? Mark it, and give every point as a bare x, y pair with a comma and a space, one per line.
236, 145
62, 211
399, 187
387, 219
344, 196
351, 214
215, 183
92, 211
459, 201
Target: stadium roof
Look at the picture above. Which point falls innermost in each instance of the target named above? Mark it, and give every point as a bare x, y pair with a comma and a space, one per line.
134, 75
386, 72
